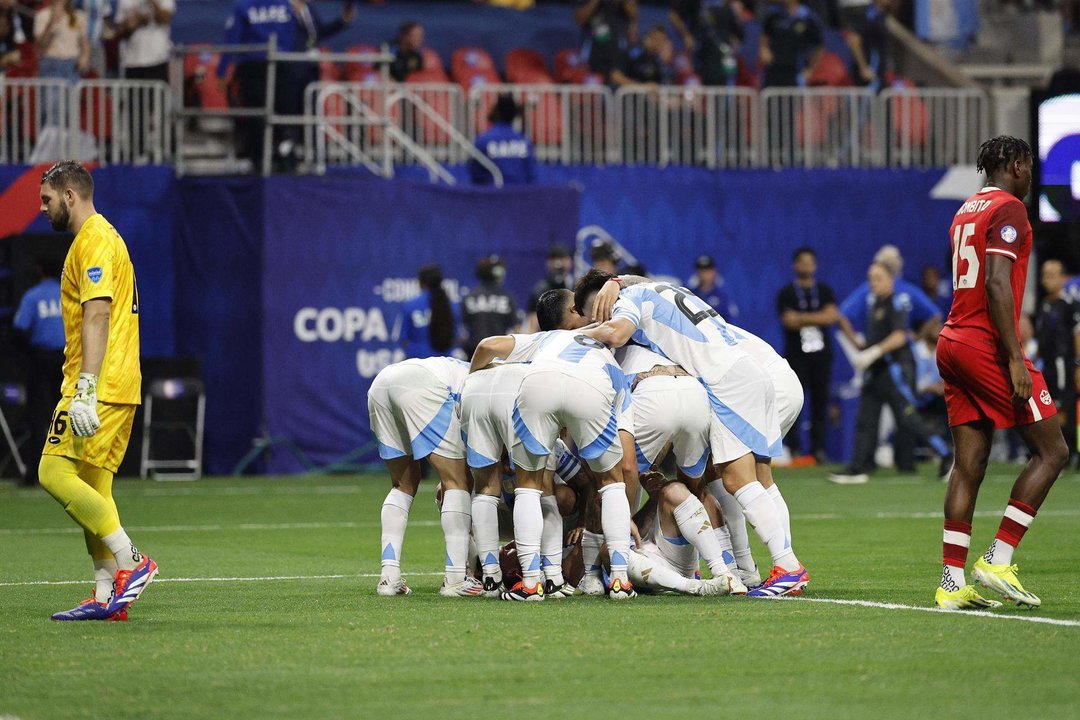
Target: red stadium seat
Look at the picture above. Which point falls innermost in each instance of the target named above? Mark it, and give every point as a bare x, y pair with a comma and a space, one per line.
472, 65
908, 116
526, 66
28, 62
432, 61
830, 72
569, 66
201, 86
427, 75
745, 76
95, 113
359, 71
543, 117
328, 69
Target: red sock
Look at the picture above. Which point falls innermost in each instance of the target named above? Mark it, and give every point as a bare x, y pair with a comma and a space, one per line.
954, 550
1017, 519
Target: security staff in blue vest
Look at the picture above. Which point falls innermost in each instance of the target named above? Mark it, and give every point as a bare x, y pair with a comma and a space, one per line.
511, 151
41, 328
252, 22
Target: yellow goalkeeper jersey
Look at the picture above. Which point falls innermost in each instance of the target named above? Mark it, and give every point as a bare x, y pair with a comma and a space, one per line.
98, 266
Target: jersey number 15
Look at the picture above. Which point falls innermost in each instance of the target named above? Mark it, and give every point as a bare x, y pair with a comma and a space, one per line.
962, 251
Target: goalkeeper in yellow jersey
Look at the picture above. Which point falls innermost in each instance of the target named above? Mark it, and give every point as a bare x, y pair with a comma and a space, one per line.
102, 379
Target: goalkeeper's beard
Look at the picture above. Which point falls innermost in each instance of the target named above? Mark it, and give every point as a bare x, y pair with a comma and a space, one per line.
62, 219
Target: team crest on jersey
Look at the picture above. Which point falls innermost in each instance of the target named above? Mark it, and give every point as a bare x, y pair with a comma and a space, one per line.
1008, 234
1044, 397
94, 274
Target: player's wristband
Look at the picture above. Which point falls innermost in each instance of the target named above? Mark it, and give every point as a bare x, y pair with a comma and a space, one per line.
617, 280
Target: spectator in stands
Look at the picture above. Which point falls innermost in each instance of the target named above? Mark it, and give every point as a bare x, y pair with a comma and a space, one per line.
604, 256
60, 33
99, 28
40, 327
648, 63
144, 28
712, 32
559, 264
11, 35
937, 289
808, 311
948, 25
488, 309
708, 285
1057, 331
310, 30
791, 45
406, 50
429, 323
253, 22
511, 151
929, 387
609, 29
867, 36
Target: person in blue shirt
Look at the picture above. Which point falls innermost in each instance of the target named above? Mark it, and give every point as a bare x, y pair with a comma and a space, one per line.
709, 286
511, 151
919, 310
252, 22
41, 328
428, 325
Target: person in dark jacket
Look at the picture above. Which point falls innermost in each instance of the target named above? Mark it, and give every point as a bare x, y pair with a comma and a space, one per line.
511, 151
488, 309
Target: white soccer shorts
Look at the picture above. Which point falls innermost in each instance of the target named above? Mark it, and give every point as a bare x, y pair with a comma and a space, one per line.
413, 413
487, 412
744, 418
581, 400
789, 394
676, 410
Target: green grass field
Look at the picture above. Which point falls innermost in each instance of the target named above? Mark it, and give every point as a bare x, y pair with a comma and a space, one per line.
305, 636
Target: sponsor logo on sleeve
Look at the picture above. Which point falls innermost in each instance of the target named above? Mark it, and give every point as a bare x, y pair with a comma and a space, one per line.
1008, 234
94, 274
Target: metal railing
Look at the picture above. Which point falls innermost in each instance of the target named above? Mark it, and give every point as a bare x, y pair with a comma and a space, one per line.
933, 128
820, 127
712, 127
381, 124
104, 121
567, 124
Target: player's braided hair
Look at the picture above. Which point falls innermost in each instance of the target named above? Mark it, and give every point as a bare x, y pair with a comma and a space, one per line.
996, 154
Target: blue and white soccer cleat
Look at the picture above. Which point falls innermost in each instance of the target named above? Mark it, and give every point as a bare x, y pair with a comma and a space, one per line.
782, 582
130, 584
90, 609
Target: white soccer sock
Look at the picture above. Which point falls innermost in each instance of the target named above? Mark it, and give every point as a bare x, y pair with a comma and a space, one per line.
395, 518
724, 538
104, 574
590, 551
120, 545
735, 522
615, 518
485, 524
528, 532
643, 572
456, 520
551, 540
761, 512
781, 508
694, 525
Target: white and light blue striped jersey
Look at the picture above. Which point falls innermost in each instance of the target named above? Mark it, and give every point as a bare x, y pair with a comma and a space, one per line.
676, 323
571, 351
755, 347
525, 346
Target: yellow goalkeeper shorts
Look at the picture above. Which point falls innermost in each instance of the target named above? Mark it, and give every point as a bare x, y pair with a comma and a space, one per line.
105, 448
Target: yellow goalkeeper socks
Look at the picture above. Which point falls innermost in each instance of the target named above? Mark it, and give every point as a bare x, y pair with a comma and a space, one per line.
88, 507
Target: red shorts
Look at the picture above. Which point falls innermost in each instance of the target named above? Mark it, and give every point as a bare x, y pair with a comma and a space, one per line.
978, 387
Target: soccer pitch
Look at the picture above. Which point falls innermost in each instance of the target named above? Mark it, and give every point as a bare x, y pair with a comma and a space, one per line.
266, 607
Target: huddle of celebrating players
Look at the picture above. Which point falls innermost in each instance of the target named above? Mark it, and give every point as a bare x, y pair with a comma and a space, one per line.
662, 372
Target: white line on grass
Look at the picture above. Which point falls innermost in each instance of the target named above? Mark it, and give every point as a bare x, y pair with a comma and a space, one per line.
939, 611
829, 601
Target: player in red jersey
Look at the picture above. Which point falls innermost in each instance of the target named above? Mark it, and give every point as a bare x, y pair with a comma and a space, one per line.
989, 384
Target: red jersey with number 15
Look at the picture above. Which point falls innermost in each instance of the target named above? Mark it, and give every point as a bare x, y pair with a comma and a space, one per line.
991, 222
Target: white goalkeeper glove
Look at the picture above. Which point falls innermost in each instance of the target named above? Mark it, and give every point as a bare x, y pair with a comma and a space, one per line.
83, 411
866, 358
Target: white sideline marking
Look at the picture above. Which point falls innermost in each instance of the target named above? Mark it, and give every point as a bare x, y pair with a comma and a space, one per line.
828, 601
270, 578
217, 527
939, 611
